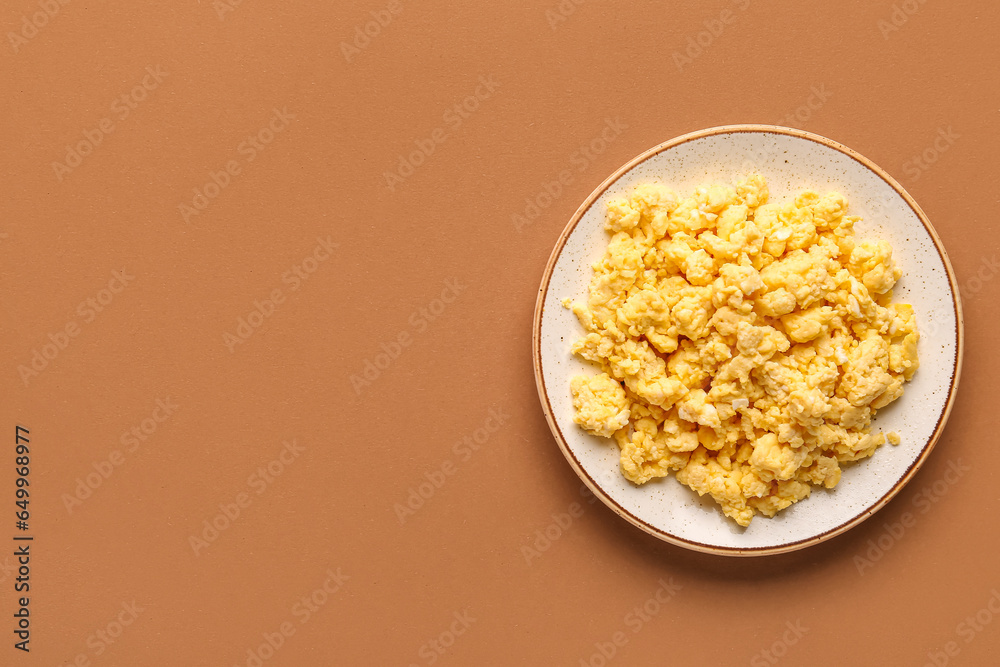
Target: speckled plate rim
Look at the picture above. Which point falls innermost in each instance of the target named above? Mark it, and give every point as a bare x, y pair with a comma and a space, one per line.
598, 490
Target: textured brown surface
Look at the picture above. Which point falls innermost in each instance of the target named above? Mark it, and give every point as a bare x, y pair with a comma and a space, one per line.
459, 562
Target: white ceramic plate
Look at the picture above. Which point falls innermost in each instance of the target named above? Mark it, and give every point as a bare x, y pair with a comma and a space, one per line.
792, 161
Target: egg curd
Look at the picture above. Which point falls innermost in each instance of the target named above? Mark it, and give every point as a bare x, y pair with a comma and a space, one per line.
744, 344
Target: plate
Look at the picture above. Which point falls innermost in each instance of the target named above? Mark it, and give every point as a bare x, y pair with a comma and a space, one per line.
792, 161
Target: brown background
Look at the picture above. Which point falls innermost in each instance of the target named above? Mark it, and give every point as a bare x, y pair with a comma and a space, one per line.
888, 93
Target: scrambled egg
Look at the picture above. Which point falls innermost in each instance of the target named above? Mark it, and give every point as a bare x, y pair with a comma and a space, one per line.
744, 344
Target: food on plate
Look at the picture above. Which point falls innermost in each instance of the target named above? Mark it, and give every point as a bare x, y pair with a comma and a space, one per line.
744, 344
